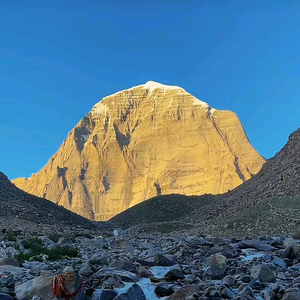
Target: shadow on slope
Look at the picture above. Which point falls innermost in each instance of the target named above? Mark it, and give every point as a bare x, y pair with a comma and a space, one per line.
268, 203
163, 208
23, 211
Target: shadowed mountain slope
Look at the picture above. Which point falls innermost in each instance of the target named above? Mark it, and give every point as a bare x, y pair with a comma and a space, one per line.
268, 203
22, 211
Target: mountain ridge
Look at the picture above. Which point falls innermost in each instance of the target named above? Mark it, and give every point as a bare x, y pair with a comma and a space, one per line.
148, 140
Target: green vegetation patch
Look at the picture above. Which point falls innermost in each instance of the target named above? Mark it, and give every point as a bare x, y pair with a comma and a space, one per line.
37, 251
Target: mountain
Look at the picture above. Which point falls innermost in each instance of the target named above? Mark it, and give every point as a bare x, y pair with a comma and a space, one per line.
149, 140
23, 212
266, 204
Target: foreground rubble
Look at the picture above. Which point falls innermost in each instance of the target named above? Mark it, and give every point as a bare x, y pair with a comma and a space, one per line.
155, 267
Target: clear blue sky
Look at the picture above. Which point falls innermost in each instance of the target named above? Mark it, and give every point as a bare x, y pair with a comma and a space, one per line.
59, 58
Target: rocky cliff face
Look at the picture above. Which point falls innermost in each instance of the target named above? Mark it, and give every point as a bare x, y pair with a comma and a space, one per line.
145, 141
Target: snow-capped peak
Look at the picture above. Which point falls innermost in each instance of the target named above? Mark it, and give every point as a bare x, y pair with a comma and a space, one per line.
152, 85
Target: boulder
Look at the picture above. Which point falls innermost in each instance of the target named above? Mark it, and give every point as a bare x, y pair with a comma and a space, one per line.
133, 293
216, 267
124, 275
291, 294
40, 286
124, 265
163, 289
184, 292
104, 295
9, 261
5, 297
263, 273
259, 246
122, 244
162, 260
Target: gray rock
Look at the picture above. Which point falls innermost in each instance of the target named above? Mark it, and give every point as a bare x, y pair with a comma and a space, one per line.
262, 273
174, 273
9, 261
281, 275
143, 272
122, 244
40, 286
162, 260
104, 295
124, 265
291, 294
36, 266
247, 291
216, 268
4, 290
228, 280
112, 282
124, 275
64, 241
11, 270
134, 292
224, 250
279, 262
163, 289
227, 293
270, 295
184, 292
257, 245
86, 270
5, 297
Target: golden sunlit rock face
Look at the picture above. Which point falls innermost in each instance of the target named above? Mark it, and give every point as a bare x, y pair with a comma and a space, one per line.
145, 141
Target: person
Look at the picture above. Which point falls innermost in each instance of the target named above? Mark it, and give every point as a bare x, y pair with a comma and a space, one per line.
68, 285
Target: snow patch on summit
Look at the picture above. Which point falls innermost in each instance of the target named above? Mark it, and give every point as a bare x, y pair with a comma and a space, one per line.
152, 85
